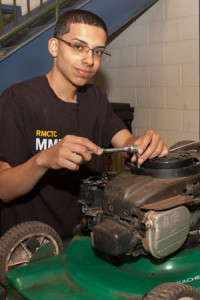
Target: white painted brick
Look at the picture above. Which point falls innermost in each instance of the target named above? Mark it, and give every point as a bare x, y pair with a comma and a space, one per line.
166, 119
117, 94
154, 14
151, 97
142, 118
175, 137
115, 61
135, 76
182, 52
105, 61
125, 95
150, 88
190, 121
150, 55
133, 97
115, 41
181, 8
183, 98
135, 35
128, 57
190, 28
165, 76
140, 131
165, 31
190, 75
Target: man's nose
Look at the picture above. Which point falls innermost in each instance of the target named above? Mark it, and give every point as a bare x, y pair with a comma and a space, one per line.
89, 57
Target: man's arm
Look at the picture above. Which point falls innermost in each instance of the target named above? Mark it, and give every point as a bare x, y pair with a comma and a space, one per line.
69, 153
150, 144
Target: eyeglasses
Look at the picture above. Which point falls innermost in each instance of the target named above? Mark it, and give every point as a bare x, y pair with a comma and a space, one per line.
81, 49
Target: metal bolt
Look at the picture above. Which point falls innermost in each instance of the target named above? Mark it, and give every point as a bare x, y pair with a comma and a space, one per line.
111, 208
126, 212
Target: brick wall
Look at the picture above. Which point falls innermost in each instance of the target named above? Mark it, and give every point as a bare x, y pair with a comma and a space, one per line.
155, 67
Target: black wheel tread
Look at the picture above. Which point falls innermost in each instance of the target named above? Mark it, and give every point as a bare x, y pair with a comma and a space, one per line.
18, 232
172, 290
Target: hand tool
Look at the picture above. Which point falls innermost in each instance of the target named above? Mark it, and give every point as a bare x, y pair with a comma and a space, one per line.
130, 149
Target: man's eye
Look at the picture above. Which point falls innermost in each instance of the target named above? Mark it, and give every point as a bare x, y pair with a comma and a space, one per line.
78, 47
98, 52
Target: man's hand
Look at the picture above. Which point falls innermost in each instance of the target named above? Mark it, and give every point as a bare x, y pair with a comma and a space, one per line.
150, 146
69, 153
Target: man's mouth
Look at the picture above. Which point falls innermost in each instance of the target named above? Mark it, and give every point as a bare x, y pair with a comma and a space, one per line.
84, 73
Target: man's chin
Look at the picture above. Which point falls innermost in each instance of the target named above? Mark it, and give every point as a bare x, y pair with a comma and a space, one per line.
83, 81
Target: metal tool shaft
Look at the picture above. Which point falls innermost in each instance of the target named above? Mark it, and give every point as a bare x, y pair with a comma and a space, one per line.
130, 149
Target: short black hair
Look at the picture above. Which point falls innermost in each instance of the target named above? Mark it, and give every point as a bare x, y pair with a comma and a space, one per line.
77, 16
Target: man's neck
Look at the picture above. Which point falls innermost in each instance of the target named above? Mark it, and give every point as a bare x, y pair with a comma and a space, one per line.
63, 91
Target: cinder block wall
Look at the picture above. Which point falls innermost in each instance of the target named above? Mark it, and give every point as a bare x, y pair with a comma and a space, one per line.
155, 67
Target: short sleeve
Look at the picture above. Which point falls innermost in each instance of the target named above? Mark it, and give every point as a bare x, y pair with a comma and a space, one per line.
12, 133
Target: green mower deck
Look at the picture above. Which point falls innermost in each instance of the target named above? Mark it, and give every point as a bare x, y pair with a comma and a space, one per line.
82, 273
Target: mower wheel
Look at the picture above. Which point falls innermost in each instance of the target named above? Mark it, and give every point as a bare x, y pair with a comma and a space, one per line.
20, 243
173, 291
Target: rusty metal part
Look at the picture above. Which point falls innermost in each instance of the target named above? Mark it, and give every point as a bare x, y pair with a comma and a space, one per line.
169, 203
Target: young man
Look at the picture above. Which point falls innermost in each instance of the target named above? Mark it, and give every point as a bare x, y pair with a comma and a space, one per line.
50, 125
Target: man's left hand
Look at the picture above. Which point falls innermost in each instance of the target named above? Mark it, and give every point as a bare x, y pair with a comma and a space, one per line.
150, 146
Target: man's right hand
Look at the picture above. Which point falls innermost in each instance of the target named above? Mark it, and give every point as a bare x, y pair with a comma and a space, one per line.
69, 153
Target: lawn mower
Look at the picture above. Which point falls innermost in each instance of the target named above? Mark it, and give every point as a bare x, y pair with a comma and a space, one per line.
139, 237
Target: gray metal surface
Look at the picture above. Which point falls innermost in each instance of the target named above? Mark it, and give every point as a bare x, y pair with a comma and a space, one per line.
166, 231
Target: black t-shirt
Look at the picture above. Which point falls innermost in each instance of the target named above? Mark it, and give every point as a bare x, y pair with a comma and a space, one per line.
33, 118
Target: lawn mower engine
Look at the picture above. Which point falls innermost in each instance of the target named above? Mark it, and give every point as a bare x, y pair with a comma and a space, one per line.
149, 209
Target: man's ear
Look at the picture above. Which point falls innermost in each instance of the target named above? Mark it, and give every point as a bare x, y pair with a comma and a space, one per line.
53, 46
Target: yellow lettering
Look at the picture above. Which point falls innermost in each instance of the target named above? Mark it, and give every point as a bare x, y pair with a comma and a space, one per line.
37, 132
45, 133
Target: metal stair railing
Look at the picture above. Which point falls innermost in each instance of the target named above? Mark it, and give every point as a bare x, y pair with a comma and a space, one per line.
18, 26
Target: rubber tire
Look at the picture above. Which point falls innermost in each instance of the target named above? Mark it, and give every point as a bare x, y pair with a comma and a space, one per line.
173, 291
19, 233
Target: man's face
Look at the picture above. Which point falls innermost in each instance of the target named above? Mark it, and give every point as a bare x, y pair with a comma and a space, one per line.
72, 68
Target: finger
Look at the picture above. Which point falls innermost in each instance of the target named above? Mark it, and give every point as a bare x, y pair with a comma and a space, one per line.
85, 146
76, 158
160, 151
133, 158
82, 151
92, 147
148, 138
68, 164
165, 152
72, 147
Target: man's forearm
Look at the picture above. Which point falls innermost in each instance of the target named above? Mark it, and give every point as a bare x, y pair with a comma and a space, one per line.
17, 181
